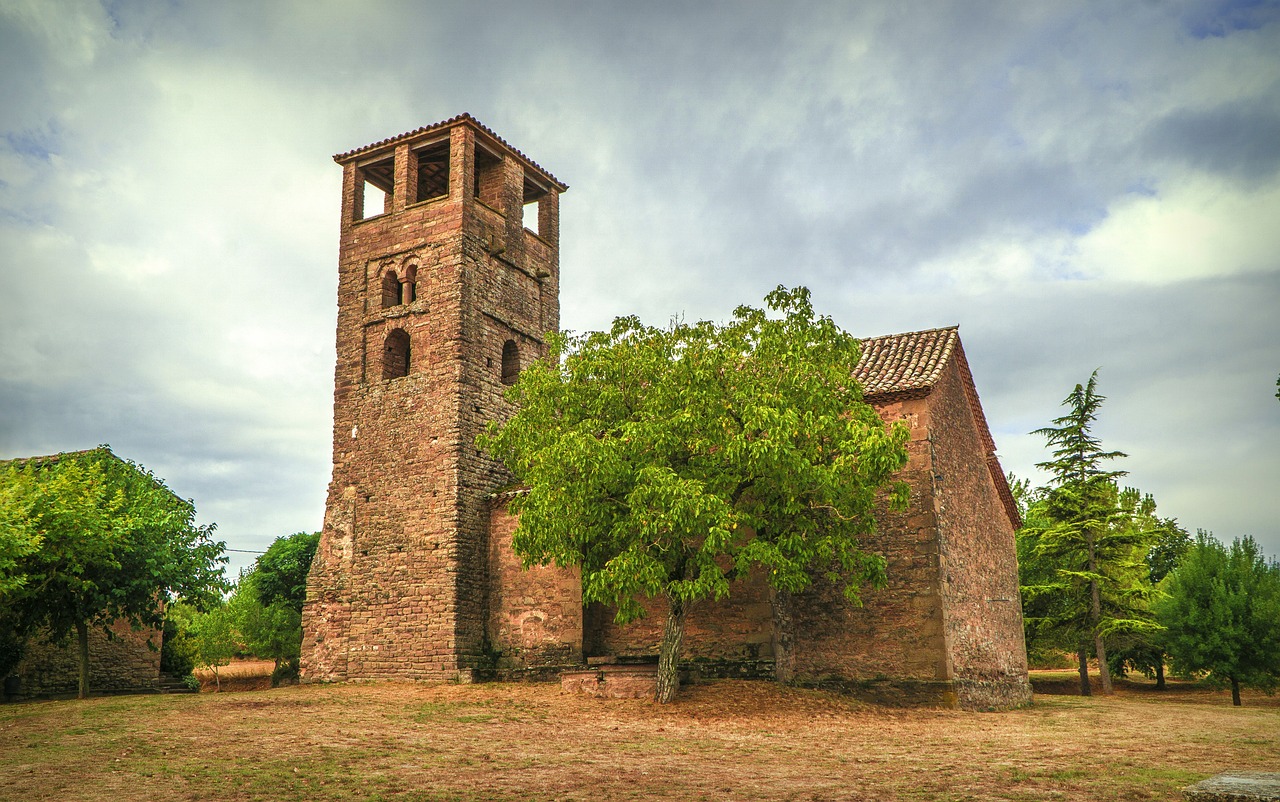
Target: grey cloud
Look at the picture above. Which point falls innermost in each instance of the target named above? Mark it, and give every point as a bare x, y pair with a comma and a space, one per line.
1240, 139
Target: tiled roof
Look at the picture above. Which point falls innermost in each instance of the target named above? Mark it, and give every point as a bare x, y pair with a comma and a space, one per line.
909, 365
905, 363
444, 125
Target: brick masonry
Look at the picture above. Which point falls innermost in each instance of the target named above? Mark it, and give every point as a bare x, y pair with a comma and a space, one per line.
415, 577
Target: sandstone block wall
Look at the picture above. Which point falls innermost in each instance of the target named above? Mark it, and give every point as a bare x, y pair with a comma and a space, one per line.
897, 632
122, 663
978, 559
535, 614
733, 636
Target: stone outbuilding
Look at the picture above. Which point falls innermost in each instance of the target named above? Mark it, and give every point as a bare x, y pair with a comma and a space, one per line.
122, 661
446, 285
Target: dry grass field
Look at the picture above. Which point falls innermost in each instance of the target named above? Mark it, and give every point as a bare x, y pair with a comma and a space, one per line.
728, 740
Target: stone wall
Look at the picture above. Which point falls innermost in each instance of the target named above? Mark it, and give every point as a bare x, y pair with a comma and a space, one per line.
983, 611
535, 614
897, 632
730, 637
122, 663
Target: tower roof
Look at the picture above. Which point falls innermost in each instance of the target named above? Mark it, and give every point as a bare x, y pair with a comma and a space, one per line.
444, 125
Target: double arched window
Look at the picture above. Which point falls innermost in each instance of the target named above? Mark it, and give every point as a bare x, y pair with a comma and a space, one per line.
396, 292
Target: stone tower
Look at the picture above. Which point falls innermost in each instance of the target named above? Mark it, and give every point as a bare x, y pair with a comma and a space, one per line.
448, 280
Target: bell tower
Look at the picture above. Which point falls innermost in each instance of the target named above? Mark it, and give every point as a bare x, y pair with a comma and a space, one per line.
448, 280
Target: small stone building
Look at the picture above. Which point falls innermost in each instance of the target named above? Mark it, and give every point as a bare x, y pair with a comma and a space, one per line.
446, 283
126, 661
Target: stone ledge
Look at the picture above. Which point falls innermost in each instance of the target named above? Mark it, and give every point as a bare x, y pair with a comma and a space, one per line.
612, 681
1236, 786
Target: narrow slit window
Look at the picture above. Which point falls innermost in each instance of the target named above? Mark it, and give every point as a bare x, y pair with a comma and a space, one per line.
510, 362
377, 181
395, 355
433, 171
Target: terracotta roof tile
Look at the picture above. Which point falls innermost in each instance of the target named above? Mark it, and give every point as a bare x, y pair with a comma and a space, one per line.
444, 125
905, 363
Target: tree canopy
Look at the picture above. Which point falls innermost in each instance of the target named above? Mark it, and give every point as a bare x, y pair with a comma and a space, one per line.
267, 605
666, 462
114, 544
280, 573
1221, 612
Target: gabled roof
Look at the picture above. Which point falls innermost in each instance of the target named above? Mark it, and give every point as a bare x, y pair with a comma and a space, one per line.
909, 365
901, 364
444, 125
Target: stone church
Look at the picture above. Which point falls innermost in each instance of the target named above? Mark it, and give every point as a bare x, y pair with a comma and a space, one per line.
448, 279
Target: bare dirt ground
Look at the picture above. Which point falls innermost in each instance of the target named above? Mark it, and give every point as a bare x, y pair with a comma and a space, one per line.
730, 740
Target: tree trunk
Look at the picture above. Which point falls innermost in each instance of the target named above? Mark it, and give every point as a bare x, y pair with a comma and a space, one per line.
1095, 617
82, 642
1160, 673
1104, 671
669, 653
1083, 655
784, 657
1235, 691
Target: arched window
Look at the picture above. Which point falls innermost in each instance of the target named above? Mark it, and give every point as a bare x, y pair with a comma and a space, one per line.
391, 290
409, 291
510, 362
395, 355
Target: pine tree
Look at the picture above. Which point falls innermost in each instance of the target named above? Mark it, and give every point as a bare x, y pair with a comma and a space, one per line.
1088, 543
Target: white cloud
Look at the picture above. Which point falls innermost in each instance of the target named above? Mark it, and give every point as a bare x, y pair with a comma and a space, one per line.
1199, 227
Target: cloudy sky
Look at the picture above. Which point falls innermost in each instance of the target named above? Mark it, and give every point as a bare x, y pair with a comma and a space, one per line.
1077, 185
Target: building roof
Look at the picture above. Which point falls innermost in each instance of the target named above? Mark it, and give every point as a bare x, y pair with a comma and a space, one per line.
444, 125
909, 365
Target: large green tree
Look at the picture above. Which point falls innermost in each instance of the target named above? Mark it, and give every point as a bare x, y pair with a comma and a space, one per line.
666, 462
1221, 612
115, 544
1089, 547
